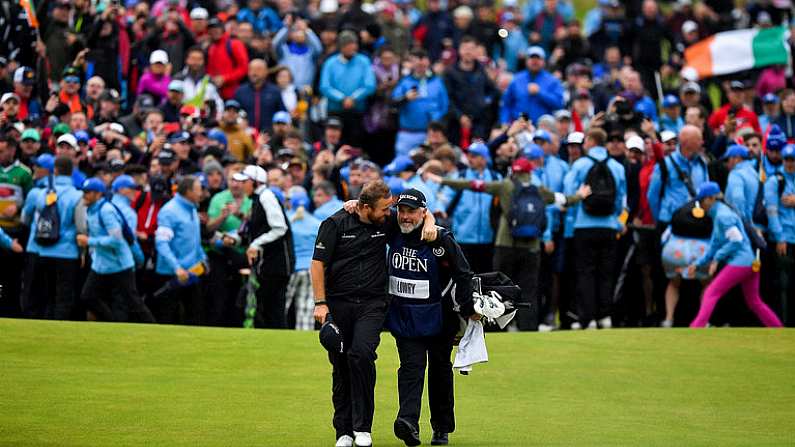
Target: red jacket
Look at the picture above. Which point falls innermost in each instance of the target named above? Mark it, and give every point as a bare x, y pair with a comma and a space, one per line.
644, 211
744, 117
228, 58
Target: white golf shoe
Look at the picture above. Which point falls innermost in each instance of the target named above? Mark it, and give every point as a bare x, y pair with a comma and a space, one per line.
606, 323
362, 439
344, 441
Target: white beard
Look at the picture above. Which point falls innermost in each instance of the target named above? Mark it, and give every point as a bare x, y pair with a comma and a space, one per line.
407, 228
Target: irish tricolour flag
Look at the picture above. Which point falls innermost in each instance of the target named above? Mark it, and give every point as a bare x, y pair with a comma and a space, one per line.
734, 51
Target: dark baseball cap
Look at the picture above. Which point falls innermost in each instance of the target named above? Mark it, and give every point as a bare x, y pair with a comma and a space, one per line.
215, 22
145, 102
737, 85
166, 156
110, 95
25, 75
412, 198
331, 337
334, 122
232, 104
178, 137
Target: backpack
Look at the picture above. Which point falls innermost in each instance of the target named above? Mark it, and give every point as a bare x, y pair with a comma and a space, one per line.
126, 231
527, 217
602, 201
684, 224
48, 225
759, 214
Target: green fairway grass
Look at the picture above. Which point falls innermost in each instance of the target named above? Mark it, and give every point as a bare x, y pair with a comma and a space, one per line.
90, 384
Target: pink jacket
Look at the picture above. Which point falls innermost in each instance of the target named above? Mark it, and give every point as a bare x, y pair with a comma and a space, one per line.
154, 85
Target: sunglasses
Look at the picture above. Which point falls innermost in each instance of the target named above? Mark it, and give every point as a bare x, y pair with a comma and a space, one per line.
615, 139
72, 80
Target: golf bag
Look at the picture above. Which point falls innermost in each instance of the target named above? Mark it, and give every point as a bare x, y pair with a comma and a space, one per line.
496, 298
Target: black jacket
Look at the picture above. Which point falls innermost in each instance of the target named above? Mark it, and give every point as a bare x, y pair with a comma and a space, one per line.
354, 255
277, 257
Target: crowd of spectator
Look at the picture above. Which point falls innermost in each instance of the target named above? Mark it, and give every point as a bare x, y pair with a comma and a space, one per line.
171, 161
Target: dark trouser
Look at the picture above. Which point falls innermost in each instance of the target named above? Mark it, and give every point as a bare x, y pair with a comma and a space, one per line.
271, 296
26, 299
223, 287
353, 376
785, 265
479, 257
11, 276
352, 128
549, 280
54, 289
521, 265
119, 290
177, 305
414, 354
568, 285
596, 263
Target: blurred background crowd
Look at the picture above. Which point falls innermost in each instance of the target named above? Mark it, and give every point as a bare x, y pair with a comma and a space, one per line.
172, 160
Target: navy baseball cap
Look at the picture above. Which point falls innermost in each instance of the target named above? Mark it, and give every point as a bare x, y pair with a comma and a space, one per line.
770, 98
331, 337
82, 136
412, 198
788, 152
166, 156
179, 137
94, 184
776, 138
232, 104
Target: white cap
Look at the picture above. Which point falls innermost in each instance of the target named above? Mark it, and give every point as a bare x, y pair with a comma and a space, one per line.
239, 177
667, 135
116, 127
328, 6
199, 14
158, 57
636, 142
69, 139
8, 96
689, 26
463, 12
575, 138
256, 173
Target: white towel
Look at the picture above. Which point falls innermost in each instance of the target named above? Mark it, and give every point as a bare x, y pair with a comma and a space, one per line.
471, 348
